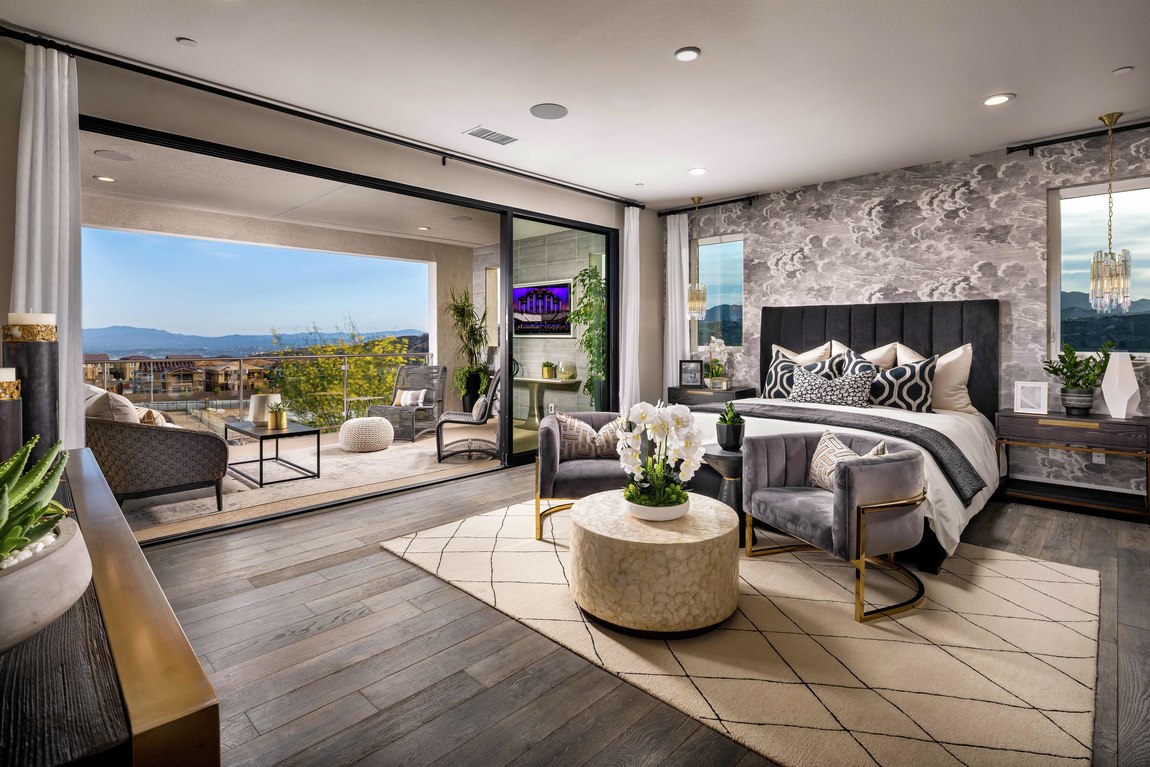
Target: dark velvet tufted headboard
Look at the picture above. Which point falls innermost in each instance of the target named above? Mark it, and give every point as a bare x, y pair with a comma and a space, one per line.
928, 327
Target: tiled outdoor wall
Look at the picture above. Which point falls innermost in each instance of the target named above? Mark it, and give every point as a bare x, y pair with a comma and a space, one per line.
962, 229
558, 256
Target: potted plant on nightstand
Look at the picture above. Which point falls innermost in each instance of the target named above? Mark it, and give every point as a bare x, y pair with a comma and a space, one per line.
1080, 376
729, 429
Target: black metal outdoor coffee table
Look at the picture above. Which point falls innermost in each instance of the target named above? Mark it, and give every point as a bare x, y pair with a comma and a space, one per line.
262, 434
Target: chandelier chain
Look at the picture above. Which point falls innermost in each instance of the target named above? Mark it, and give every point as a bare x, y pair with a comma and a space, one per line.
1110, 187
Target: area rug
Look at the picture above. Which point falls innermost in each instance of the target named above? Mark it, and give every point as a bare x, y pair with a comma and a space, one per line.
343, 475
997, 667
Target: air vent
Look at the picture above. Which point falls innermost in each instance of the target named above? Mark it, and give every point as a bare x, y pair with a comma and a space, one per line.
489, 135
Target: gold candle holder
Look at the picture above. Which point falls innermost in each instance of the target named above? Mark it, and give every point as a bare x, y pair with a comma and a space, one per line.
17, 333
9, 390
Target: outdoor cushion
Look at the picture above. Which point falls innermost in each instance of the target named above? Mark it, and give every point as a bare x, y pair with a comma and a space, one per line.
409, 397
110, 406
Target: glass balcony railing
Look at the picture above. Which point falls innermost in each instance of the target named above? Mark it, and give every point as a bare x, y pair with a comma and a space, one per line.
204, 393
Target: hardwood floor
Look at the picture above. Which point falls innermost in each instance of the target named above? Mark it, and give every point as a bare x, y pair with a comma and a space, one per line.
326, 650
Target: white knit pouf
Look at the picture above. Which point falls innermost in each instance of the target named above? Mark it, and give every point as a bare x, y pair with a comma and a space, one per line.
366, 435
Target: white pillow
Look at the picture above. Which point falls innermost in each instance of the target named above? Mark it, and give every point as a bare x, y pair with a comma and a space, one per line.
409, 398
950, 377
882, 357
817, 354
110, 406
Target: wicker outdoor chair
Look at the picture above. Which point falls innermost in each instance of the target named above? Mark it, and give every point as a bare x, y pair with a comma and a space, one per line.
412, 422
478, 416
141, 460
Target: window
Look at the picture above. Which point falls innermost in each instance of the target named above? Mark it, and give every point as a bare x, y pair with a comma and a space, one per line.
720, 269
1082, 229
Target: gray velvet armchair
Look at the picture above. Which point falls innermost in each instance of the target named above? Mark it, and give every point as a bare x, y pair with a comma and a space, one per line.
874, 510
570, 480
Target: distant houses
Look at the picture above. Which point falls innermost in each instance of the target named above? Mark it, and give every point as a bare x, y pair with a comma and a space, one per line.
176, 376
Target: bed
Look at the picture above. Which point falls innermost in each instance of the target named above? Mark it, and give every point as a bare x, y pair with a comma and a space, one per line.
929, 327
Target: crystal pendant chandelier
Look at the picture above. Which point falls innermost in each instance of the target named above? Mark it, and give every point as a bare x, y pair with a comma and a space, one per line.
1110, 271
697, 291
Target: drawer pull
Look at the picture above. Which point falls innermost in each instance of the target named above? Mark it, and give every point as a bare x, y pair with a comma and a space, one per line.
1072, 424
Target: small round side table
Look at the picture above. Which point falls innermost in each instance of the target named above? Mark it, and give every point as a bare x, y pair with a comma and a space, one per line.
729, 464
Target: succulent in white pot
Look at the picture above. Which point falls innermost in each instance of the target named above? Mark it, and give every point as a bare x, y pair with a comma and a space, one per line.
44, 563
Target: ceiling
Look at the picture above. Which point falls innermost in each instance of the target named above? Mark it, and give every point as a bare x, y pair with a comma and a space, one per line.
786, 92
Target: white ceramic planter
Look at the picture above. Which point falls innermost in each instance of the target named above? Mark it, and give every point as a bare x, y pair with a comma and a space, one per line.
40, 589
657, 513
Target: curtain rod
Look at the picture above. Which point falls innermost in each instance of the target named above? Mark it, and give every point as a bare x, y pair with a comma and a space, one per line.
750, 198
159, 74
1031, 146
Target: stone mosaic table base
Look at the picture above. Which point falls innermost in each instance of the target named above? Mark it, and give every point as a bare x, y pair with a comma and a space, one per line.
678, 577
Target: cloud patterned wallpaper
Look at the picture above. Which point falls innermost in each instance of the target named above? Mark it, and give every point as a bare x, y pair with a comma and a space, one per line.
961, 229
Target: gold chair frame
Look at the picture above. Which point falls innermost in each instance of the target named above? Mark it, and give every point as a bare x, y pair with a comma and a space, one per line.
861, 512
540, 512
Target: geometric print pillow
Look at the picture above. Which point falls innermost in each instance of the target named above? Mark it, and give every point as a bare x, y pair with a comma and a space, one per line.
781, 374
578, 440
907, 387
829, 454
850, 390
851, 361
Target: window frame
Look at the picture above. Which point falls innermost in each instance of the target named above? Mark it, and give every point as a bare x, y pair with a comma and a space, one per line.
698, 243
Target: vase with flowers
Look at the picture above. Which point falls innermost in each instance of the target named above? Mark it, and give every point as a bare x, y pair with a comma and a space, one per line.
674, 452
714, 369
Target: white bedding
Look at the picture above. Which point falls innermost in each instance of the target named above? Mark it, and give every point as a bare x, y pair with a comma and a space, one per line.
972, 434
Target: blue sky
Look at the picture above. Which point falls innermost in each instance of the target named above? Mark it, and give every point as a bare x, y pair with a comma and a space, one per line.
212, 288
721, 270
1084, 231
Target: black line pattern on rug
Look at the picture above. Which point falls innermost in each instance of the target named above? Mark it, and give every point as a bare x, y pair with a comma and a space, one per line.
567, 580
491, 559
759, 594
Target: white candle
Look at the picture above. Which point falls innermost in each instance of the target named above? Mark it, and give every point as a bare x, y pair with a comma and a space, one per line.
27, 318
7, 374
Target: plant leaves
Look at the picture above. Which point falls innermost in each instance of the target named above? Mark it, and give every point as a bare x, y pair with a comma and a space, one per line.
34, 476
41, 493
11, 470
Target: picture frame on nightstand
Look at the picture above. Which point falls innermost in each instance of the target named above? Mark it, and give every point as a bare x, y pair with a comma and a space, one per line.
1031, 397
690, 372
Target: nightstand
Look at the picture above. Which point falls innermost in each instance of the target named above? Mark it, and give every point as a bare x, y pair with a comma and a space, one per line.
700, 395
1091, 434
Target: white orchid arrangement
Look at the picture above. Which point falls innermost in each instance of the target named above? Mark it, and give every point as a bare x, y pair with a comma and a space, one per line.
716, 357
674, 454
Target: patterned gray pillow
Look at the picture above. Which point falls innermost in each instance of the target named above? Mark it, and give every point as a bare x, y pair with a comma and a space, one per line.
829, 453
850, 390
578, 440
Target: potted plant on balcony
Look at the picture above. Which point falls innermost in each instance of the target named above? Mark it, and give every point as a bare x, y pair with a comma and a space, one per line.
471, 331
277, 416
673, 454
590, 313
1080, 376
729, 429
44, 563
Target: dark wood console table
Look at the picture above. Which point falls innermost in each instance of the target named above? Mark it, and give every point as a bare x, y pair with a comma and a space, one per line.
114, 680
1092, 434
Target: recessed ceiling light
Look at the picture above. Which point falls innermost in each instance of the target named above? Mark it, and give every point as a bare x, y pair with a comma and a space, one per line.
424, 228
690, 53
1122, 71
996, 99
696, 171
640, 183
187, 41
461, 218
549, 111
107, 179
111, 154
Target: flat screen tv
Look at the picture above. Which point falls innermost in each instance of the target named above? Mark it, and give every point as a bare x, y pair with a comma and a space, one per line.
542, 309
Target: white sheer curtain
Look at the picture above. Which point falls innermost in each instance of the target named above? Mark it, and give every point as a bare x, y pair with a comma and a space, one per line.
676, 341
46, 264
629, 321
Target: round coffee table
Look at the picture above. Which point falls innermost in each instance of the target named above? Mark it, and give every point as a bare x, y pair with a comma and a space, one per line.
677, 578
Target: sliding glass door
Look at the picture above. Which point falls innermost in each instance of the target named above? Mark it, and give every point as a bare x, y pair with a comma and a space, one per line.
561, 329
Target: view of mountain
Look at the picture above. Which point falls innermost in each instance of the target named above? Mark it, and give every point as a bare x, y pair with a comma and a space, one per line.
1076, 304
723, 321
124, 340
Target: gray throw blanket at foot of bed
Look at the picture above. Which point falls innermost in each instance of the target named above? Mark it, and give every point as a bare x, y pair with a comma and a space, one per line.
959, 473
